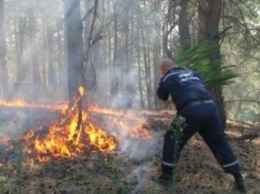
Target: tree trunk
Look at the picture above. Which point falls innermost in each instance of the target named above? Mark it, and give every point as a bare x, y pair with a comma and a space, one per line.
157, 54
128, 88
87, 41
75, 48
168, 27
147, 70
62, 76
147, 63
45, 44
138, 53
92, 46
37, 85
183, 23
52, 79
114, 69
209, 16
3, 68
19, 49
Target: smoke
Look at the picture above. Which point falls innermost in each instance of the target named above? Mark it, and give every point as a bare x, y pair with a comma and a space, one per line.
136, 148
140, 150
113, 83
140, 175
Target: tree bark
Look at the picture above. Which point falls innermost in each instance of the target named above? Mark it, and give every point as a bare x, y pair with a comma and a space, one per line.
52, 78
36, 77
62, 76
156, 54
183, 23
19, 49
3, 68
209, 16
147, 71
147, 65
114, 89
128, 88
74, 30
138, 53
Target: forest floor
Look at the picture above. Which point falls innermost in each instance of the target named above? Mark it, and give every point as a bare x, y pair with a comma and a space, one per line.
129, 169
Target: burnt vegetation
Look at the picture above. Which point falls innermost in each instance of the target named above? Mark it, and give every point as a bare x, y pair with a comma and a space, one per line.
127, 169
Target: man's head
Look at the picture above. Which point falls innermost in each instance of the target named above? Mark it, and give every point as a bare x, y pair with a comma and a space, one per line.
166, 65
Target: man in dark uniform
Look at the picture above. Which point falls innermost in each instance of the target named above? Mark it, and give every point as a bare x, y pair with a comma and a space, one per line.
194, 103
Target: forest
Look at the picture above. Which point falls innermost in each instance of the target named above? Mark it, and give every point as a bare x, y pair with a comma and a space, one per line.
78, 82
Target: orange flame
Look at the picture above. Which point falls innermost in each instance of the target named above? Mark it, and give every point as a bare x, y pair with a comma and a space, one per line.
76, 131
23, 103
98, 137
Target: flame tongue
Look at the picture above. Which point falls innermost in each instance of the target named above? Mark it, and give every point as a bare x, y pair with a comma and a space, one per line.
100, 139
23, 103
67, 141
67, 138
76, 131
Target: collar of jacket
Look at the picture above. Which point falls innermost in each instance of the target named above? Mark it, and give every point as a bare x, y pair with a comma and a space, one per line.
173, 71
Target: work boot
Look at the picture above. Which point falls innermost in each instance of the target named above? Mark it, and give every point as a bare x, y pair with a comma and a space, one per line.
165, 179
240, 183
166, 176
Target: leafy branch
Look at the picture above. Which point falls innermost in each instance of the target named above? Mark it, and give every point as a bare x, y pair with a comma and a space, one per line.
198, 59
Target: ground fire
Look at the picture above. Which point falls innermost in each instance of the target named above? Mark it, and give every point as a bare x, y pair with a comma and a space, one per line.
77, 129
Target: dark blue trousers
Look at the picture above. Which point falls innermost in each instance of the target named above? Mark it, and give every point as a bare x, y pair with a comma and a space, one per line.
204, 119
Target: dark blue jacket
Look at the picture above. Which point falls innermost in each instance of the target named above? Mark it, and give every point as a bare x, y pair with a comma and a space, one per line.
183, 85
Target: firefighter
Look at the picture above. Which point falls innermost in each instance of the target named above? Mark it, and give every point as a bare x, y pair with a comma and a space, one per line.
193, 103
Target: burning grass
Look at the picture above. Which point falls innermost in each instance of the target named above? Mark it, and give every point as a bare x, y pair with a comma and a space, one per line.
79, 142
76, 130
129, 157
